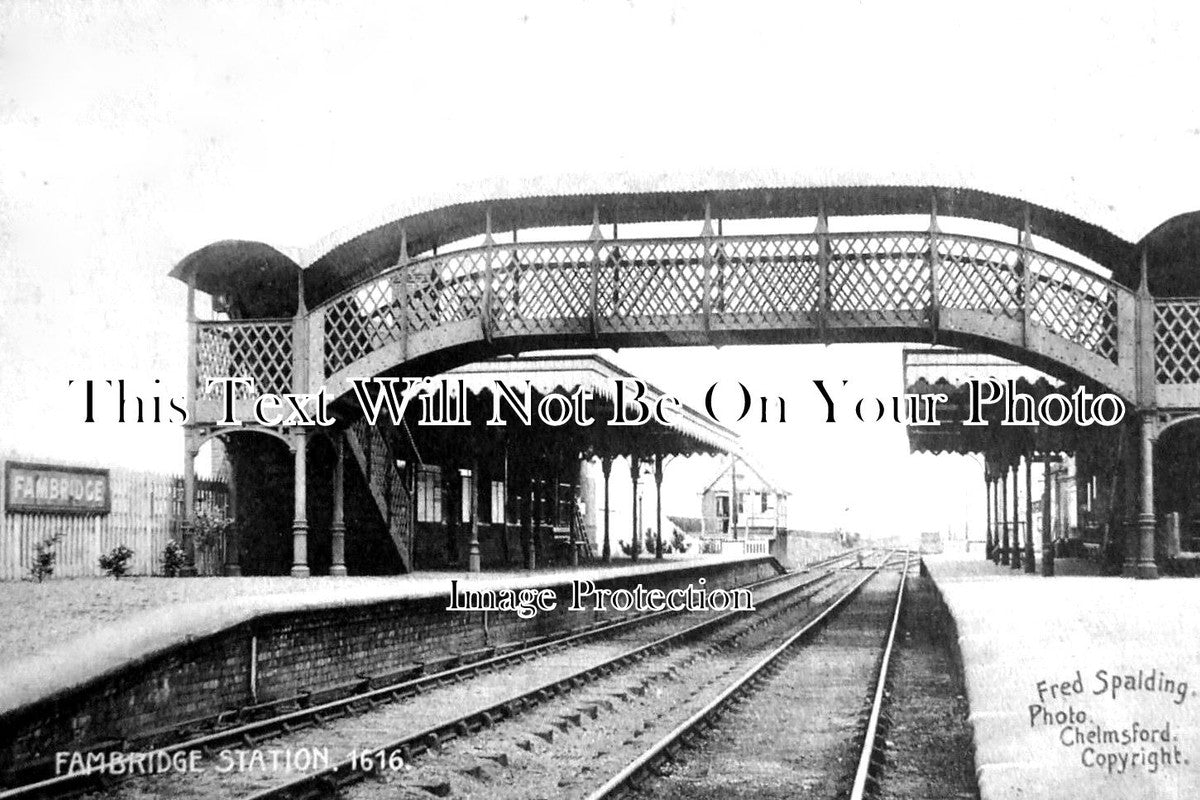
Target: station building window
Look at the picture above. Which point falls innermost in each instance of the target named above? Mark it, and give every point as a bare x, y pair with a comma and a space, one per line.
429, 494
466, 481
498, 503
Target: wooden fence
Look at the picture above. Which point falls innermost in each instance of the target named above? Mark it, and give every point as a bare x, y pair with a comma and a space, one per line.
146, 511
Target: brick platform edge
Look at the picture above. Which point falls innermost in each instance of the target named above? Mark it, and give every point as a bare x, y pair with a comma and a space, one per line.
308, 649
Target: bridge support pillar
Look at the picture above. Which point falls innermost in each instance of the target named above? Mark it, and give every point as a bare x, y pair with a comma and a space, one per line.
189, 507
337, 528
1146, 566
1047, 505
233, 567
1130, 499
1030, 561
300, 507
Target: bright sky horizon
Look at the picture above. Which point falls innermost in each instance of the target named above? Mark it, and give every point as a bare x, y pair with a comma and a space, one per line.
134, 132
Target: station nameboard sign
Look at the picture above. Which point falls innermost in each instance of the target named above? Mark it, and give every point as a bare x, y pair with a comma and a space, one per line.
51, 489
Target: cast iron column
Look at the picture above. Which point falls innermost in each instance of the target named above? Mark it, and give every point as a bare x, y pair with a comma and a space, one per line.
535, 504
524, 500
1132, 499
1015, 563
189, 507
606, 466
300, 507
473, 546
1146, 567
233, 566
1002, 555
658, 478
572, 534
987, 488
187, 525
1047, 545
1030, 562
634, 469
337, 528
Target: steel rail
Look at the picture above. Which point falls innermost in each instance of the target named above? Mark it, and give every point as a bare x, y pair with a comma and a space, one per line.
329, 781
683, 733
252, 733
864, 772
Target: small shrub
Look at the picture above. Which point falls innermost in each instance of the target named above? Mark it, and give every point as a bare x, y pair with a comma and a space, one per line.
116, 561
44, 558
173, 559
679, 542
211, 530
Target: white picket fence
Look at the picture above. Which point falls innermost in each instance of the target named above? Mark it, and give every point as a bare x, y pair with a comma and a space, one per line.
749, 547
146, 507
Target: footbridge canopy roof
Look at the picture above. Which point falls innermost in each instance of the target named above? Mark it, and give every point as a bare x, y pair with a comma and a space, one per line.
217, 267
375, 250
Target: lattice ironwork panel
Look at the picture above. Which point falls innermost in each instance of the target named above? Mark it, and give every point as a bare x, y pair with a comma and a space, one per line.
1074, 304
1177, 341
766, 277
879, 273
448, 288
657, 278
543, 282
979, 275
361, 322
261, 350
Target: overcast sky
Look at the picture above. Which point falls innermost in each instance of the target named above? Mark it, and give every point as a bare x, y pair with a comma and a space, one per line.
132, 133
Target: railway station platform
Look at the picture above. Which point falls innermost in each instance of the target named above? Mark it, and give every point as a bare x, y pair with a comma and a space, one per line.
208, 645
1078, 686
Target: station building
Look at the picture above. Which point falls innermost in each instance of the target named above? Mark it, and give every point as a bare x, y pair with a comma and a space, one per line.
511, 496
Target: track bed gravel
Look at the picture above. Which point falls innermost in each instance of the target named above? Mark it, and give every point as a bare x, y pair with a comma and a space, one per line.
929, 753
568, 746
388, 722
798, 735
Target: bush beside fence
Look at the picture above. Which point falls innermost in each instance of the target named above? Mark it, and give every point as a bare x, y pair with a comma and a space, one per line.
146, 511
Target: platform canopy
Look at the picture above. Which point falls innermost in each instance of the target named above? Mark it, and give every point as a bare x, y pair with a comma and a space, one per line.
950, 372
687, 432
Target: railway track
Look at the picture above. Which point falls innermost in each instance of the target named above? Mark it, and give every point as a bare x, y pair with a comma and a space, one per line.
655, 760
540, 744
370, 697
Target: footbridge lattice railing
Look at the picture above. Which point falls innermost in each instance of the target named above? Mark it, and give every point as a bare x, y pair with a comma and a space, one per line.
758, 281
819, 281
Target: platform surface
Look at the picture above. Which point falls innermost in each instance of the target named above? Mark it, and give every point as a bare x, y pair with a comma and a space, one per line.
63, 633
1031, 644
